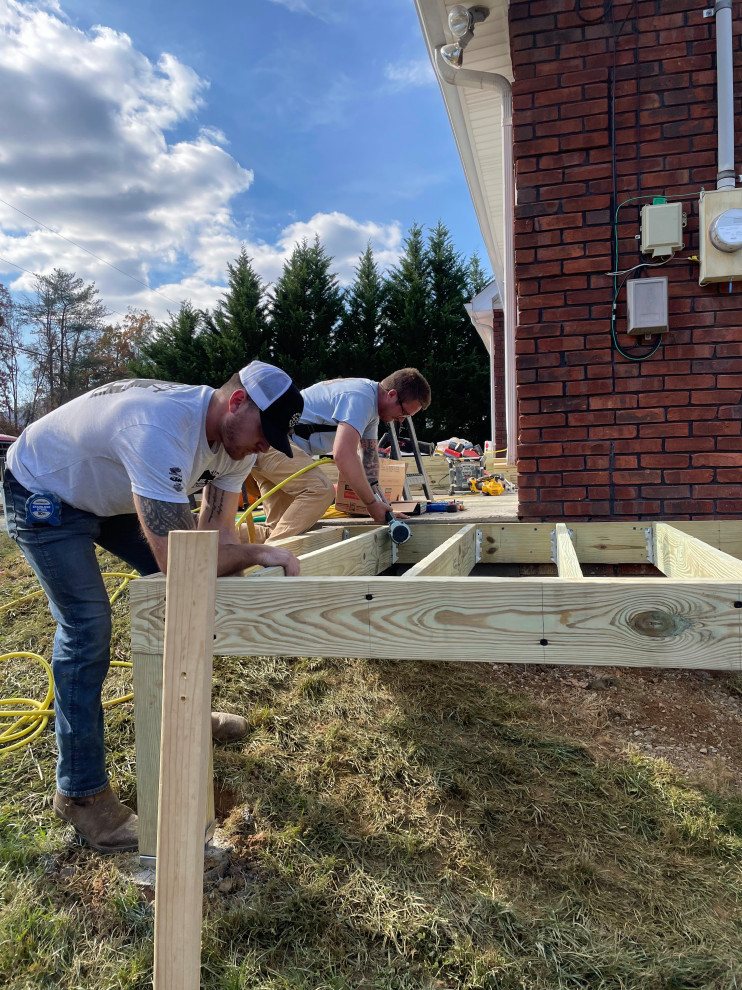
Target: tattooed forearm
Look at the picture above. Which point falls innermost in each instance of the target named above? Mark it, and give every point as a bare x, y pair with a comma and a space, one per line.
162, 517
370, 453
215, 501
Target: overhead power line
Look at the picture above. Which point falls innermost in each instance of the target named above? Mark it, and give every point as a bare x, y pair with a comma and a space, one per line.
82, 248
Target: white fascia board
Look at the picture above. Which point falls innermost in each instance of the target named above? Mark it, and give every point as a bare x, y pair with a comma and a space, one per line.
480, 312
433, 16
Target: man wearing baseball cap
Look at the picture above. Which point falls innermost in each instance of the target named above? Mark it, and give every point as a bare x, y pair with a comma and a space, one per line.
115, 468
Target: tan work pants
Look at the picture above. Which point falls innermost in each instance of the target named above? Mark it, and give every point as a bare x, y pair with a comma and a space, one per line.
300, 503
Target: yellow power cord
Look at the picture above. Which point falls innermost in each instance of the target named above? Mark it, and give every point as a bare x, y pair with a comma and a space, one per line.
29, 724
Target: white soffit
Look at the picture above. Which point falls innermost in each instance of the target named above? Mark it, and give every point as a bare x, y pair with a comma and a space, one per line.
476, 114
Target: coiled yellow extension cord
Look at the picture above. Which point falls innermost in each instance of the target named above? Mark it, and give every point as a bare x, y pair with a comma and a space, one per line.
31, 721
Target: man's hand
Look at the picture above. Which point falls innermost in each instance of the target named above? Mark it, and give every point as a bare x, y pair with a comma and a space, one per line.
158, 519
378, 510
268, 556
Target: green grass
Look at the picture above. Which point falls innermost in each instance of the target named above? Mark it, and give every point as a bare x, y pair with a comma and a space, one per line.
396, 825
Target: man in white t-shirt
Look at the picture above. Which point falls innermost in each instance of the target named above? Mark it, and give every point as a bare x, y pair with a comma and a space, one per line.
115, 467
341, 417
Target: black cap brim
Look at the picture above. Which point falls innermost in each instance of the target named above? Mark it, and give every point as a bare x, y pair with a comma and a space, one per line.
275, 436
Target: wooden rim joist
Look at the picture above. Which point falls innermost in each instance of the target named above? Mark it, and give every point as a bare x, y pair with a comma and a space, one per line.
341, 606
690, 615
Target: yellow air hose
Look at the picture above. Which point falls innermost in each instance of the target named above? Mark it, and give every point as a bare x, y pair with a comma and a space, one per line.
33, 719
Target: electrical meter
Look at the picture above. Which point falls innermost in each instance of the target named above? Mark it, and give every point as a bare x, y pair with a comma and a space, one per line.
720, 235
725, 232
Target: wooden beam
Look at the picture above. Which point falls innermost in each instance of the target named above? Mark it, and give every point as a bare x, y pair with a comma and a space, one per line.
679, 555
595, 543
368, 553
315, 540
456, 557
631, 621
530, 543
184, 757
147, 732
565, 556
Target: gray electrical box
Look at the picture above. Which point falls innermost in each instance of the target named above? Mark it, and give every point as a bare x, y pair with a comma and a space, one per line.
646, 305
662, 228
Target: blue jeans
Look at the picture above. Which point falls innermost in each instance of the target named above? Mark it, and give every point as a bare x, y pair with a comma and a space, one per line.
63, 558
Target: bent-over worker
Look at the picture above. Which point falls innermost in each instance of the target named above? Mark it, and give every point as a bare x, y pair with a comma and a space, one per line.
115, 467
340, 416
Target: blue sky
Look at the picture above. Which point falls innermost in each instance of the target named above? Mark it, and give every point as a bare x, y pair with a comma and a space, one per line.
161, 137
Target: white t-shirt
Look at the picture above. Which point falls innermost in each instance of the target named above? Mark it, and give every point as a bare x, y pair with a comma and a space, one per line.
142, 436
341, 400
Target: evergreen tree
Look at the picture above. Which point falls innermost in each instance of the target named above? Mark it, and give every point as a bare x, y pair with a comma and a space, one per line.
178, 352
306, 308
476, 276
237, 332
406, 334
457, 369
356, 350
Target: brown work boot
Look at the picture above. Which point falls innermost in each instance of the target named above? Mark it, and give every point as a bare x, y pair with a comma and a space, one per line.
227, 728
100, 820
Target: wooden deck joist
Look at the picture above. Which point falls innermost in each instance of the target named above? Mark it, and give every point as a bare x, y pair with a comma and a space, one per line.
341, 606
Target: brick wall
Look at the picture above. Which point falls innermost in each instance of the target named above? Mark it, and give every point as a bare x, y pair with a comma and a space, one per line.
601, 435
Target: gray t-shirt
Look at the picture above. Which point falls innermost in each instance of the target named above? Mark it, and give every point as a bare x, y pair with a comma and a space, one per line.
142, 436
340, 400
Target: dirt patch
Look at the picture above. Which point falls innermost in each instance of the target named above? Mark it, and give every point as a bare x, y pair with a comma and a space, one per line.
691, 718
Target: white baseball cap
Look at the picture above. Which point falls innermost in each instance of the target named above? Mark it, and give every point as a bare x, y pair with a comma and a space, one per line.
280, 402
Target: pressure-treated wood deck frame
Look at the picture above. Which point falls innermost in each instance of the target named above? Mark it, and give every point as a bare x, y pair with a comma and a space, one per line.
342, 606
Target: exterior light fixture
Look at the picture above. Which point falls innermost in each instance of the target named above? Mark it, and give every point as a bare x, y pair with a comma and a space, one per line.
461, 21
453, 54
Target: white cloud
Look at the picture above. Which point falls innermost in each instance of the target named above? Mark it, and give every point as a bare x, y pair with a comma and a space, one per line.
85, 150
324, 10
406, 75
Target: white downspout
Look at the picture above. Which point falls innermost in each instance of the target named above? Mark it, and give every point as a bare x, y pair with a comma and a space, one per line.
725, 178
473, 79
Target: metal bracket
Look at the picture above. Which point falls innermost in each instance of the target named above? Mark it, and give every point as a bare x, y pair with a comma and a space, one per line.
649, 539
395, 551
478, 546
553, 547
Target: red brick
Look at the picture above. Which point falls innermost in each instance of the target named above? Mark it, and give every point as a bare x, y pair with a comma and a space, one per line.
666, 491
665, 460
637, 507
717, 459
561, 464
567, 494
640, 416
689, 443
677, 507
641, 477
663, 429
717, 428
701, 476
617, 432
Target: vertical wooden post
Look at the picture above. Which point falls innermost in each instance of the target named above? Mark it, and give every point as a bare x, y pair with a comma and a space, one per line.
184, 758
